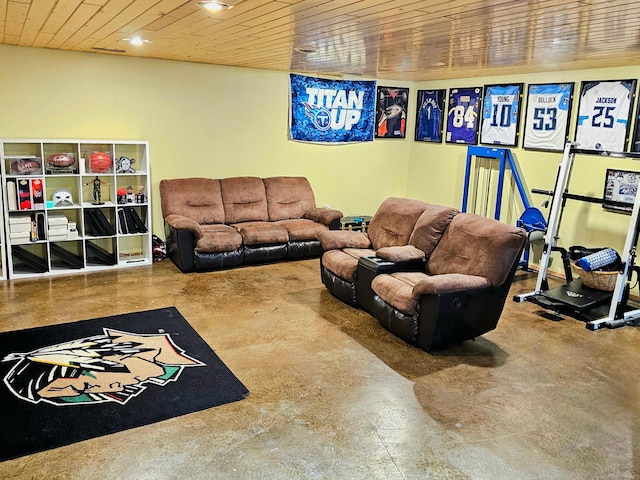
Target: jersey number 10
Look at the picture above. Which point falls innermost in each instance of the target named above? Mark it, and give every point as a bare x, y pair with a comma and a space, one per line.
501, 115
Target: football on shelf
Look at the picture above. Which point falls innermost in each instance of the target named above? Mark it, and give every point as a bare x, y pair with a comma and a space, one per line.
61, 160
25, 166
100, 162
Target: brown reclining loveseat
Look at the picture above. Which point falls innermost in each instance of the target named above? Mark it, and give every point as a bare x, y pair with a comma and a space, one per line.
444, 282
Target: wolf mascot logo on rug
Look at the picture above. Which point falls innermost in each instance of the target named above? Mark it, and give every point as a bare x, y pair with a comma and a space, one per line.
113, 367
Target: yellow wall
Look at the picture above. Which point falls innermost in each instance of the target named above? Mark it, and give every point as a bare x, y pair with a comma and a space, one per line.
200, 120
205, 120
583, 223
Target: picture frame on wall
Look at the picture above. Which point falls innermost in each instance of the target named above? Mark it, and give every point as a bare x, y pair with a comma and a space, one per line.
391, 112
501, 114
604, 115
635, 146
547, 116
463, 114
430, 115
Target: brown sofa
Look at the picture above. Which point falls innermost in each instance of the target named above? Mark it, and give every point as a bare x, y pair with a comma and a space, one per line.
219, 223
437, 278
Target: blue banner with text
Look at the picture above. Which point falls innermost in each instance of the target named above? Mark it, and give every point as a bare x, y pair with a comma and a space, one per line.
331, 111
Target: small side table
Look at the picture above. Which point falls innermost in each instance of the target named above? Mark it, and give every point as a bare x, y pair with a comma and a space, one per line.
359, 223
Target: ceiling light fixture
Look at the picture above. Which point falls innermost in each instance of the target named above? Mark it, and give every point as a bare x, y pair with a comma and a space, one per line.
214, 6
136, 41
305, 49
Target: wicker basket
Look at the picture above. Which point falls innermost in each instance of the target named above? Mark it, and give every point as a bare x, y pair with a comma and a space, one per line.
597, 279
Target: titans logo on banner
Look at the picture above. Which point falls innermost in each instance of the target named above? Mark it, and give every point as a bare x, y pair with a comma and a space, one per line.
331, 111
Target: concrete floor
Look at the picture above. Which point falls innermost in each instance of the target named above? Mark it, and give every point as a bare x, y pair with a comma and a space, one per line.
335, 396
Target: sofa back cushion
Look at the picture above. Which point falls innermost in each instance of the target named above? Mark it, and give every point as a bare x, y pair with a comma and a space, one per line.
476, 245
430, 226
393, 222
195, 198
288, 197
244, 199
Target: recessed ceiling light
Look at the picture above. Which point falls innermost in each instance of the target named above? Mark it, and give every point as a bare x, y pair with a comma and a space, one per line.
214, 6
137, 41
305, 49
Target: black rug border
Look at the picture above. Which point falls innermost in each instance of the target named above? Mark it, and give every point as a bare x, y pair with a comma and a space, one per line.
216, 371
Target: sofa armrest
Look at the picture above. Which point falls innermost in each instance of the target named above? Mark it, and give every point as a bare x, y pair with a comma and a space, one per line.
336, 239
401, 253
326, 216
180, 222
448, 283
180, 247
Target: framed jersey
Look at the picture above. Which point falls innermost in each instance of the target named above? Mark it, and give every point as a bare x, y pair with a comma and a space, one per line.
604, 114
635, 147
391, 112
462, 115
547, 119
429, 115
501, 114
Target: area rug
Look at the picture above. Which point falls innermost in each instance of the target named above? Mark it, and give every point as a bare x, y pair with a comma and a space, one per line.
67, 383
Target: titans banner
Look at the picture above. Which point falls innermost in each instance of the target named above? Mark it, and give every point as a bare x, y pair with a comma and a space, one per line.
331, 111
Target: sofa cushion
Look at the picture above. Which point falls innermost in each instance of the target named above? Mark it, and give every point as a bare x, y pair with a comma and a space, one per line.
344, 263
393, 222
288, 197
218, 238
476, 245
244, 199
396, 289
261, 233
302, 229
196, 198
430, 226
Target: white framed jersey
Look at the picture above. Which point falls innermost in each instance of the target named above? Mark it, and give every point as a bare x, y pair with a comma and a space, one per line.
603, 115
429, 116
547, 118
501, 114
463, 114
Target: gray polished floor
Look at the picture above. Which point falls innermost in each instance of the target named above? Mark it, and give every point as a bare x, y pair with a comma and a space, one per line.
335, 396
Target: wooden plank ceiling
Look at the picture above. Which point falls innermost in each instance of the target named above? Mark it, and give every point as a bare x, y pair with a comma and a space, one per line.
392, 39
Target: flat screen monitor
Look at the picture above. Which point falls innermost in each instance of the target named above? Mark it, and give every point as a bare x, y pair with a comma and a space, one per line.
620, 188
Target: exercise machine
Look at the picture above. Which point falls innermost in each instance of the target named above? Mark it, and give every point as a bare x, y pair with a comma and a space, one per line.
598, 308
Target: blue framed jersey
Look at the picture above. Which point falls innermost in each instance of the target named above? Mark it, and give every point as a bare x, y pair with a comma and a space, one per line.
603, 115
429, 116
501, 114
462, 116
547, 118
